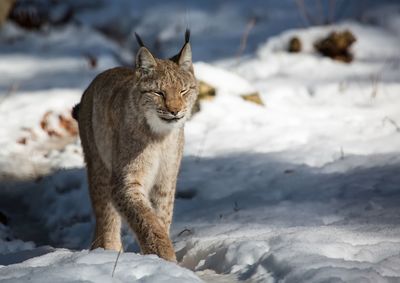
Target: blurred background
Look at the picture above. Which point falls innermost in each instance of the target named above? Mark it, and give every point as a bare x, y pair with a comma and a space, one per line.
291, 164
217, 26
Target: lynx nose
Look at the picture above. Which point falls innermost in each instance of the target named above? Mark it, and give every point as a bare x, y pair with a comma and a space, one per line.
174, 105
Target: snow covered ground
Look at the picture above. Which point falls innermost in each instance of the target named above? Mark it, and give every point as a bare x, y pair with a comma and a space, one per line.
303, 189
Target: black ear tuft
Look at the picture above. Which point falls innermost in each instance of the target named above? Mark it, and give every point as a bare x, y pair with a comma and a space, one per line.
187, 35
139, 40
184, 57
75, 111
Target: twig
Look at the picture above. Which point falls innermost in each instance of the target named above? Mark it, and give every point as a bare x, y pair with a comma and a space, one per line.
116, 261
377, 77
331, 16
183, 231
321, 13
236, 206
391, 121
243, 41
341, 153
375, 84
342, 6
304, 13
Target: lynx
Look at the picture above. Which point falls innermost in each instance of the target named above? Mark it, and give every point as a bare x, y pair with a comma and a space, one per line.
131, 127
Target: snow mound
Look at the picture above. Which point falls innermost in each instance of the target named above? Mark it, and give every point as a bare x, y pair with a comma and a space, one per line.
299, 254
363, 47
97, 267
223, 80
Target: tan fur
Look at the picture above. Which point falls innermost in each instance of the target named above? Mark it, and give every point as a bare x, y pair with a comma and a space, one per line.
132, 155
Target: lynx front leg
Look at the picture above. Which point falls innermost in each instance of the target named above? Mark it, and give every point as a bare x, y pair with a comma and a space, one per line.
162, 195
108, 222
150, 231
108, 227
162, 199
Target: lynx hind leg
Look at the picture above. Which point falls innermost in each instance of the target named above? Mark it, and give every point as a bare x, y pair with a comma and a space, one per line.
108, 221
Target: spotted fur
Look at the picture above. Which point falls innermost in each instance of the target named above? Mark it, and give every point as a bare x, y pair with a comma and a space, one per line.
131, 127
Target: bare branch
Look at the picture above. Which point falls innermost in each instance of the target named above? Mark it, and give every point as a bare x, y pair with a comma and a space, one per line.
304, 13
116, 261
332, 7
243, 41
183, 231
391, 121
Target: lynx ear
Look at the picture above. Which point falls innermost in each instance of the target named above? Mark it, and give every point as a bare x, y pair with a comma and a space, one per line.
185, 57
144, 59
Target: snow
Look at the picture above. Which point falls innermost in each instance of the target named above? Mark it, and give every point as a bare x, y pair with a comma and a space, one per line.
303, 189
222, 79
95, 266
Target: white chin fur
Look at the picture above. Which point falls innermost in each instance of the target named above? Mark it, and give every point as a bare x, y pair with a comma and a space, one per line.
159, 126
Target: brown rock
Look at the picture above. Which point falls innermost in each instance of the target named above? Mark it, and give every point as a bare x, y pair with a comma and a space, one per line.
337, 46
294, 45
33, 15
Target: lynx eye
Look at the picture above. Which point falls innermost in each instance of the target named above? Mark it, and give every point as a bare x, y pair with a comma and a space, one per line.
159, 93
184, 92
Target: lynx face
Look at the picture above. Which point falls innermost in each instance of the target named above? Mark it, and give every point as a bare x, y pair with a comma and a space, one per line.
168, 89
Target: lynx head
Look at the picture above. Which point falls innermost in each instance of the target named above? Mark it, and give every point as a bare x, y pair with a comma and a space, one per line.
168, 88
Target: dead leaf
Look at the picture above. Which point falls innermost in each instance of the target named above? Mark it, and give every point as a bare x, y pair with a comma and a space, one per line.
253, 97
